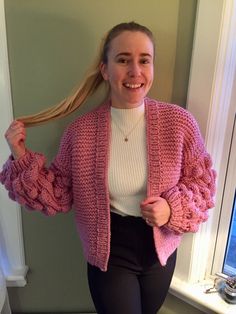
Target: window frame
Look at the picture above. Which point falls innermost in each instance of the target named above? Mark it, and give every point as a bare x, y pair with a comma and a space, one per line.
211, 99
212, 96
12, 257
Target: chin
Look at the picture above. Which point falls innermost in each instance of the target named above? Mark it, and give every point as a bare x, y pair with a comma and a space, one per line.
136, 101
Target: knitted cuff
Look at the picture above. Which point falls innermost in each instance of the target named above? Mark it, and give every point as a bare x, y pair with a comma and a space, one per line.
182, 219
18, 165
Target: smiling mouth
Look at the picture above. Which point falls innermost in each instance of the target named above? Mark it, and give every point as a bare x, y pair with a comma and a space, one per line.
133, 86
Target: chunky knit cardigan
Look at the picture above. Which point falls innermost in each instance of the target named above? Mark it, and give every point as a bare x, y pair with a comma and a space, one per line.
179, 170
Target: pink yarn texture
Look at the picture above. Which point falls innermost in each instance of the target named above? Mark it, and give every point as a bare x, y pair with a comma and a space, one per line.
179, 169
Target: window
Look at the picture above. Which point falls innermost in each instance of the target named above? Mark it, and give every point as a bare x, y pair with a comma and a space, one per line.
212, 99
226, 239
229, 267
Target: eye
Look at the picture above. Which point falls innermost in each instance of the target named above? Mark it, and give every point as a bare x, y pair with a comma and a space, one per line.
122, 60
145, 61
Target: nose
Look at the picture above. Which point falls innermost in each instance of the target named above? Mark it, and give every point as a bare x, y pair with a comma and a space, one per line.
134, 69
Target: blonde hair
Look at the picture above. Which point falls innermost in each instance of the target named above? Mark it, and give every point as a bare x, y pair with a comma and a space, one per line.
89, 85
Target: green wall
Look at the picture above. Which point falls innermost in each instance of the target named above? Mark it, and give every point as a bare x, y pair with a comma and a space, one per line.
51, 45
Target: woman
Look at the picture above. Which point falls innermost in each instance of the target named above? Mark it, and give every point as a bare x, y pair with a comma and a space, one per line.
135, 170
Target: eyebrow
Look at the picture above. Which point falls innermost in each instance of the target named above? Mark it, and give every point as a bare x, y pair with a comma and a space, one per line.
129, 54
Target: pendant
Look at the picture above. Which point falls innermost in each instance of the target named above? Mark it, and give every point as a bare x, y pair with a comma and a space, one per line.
126, 139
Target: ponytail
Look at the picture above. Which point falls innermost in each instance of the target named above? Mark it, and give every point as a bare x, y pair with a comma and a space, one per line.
87, 88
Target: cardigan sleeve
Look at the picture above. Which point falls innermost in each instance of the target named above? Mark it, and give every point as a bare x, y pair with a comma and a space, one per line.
193, 195
30, 183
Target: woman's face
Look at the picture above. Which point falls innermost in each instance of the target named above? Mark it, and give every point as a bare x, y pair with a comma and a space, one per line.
129, 69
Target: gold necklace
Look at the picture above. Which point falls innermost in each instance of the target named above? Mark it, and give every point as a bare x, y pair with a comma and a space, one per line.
126, 139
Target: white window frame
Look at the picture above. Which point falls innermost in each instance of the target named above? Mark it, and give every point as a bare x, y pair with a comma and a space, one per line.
211, 98
12, 258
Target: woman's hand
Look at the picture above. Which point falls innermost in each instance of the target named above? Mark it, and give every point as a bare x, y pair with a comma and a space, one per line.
156, 211
15, 136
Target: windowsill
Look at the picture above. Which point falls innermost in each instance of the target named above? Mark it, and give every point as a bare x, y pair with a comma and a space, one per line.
194, 294
16, 281
18, 278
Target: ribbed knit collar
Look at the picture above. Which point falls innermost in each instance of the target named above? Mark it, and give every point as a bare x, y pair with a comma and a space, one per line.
126, 118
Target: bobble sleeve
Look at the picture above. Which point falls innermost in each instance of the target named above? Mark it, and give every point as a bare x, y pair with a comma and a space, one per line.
191, 198
30, 183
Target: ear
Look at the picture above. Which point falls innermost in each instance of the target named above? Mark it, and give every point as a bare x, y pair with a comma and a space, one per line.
104, 72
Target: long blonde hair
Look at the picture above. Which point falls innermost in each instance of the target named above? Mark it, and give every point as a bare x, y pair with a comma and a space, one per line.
89, 85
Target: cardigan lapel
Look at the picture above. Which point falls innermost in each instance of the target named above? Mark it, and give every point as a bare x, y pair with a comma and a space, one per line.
153, 142
102, 143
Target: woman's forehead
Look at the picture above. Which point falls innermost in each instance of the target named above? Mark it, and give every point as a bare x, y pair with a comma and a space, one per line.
129, 42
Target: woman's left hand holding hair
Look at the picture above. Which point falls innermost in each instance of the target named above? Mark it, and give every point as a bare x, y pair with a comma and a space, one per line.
155, 210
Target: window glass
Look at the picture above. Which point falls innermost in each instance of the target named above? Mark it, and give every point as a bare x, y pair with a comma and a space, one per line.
229, 266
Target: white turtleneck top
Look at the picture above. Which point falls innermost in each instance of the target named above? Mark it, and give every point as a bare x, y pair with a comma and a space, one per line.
128, 162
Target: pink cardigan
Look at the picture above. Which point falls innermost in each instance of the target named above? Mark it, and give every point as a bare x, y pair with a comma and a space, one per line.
179, 169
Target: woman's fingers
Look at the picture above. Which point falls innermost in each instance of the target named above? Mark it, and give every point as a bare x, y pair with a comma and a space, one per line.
156, 211
15, 133
149, 200
15, 136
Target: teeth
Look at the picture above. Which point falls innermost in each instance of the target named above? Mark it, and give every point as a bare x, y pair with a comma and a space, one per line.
133, 85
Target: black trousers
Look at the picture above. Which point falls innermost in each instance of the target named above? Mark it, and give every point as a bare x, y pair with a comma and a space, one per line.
135, 282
